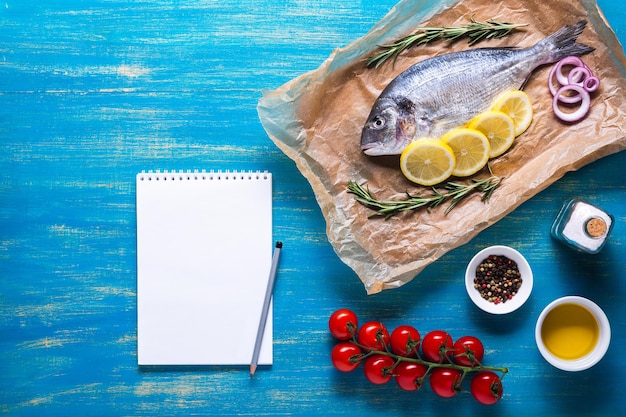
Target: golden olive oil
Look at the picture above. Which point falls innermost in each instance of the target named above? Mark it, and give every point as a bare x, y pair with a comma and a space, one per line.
570, 331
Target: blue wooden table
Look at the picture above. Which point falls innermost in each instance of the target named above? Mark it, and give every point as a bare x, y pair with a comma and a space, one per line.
93, 92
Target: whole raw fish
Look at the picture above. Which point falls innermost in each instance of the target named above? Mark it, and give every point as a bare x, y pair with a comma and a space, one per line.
446, 91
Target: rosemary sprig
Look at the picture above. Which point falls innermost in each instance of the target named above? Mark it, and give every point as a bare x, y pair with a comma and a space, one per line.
476, 31
456, 192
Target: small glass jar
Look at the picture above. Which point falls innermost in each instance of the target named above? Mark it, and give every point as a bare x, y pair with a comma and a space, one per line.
582, 226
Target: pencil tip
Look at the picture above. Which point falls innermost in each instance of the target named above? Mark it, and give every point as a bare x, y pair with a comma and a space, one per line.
279, 244
252, 370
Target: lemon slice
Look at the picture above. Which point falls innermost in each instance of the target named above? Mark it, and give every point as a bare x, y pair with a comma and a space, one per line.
471, 150
499, 129
516, 104
427, 162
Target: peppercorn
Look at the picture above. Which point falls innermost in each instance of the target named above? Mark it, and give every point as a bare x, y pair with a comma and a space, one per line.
497, 279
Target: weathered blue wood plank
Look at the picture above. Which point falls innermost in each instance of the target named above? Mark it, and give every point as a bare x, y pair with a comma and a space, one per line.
92, 92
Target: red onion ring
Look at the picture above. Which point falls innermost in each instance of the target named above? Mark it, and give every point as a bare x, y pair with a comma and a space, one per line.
554, 90
583, 77
578, 75
551, 86
591, 84
579, 80
565, 80
582, 109
569, 60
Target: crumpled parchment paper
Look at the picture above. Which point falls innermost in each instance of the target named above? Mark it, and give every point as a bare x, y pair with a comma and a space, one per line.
316, 120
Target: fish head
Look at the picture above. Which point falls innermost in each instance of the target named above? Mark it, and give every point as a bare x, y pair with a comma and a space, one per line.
390, 127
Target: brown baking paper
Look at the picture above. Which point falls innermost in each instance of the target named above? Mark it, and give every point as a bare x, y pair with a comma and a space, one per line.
317, 120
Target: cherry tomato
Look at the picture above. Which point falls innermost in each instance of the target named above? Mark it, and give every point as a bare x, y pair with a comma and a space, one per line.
373, 335
405, 341
343, 324
377, 369
468, 351
436, 346
346, 356
445, 382
409, 374
486, 387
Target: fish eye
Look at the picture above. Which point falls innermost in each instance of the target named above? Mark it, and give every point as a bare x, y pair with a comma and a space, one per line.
378, 122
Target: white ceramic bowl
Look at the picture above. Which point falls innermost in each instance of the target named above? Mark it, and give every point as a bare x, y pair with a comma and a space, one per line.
592, 357
523, 293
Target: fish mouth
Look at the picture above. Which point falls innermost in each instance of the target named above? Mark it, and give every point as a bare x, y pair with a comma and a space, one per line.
366, 146
376, 151
372, 149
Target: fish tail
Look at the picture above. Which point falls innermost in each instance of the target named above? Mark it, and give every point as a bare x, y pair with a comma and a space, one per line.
562, 43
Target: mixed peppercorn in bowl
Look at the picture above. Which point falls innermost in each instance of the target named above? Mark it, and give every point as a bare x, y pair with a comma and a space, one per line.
498, 279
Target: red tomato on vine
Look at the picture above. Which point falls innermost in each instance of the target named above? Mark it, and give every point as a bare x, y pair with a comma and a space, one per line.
374, 335
436, 346
343, 324
445, 382
405, 341
468, 351
486, 387
377, 369
409, 375
346, 356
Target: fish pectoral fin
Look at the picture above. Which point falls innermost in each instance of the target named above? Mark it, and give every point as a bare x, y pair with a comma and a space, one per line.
405, 128
405, 123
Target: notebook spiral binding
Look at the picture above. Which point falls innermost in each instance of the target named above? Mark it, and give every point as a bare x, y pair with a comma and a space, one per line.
202, 175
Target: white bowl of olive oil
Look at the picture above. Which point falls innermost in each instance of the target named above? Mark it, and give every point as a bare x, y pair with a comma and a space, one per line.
572, 333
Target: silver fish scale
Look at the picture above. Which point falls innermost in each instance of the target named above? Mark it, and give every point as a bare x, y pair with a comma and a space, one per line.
450, 89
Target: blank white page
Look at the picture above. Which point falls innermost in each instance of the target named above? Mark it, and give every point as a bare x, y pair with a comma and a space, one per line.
204, 252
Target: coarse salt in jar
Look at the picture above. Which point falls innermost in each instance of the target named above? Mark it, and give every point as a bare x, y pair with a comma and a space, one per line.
582, 226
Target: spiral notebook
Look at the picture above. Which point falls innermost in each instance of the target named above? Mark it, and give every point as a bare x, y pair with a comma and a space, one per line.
204, 249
